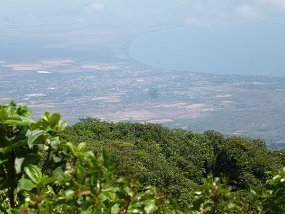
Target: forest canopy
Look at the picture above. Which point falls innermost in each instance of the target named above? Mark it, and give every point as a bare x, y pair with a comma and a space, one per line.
104, 167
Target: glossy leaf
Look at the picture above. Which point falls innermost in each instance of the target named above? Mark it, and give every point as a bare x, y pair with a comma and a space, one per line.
18, 164
54, 120
33, 173
25, 184
35, 136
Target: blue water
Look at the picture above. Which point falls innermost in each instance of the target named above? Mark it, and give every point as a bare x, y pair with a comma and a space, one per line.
256, 48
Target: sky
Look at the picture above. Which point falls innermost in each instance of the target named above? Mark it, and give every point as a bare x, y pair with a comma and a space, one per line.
262, 20
14, 13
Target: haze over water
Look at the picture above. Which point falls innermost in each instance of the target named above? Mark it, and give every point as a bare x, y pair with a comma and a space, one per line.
253, 48
223, 37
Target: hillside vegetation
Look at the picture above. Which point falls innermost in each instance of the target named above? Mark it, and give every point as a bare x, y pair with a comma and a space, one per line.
176, 160
103, 167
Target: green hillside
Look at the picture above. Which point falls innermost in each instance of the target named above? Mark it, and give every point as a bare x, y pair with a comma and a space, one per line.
103, 167
177, 160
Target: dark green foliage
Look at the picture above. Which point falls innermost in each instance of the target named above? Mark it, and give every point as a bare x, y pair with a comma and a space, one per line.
280, 154
272, 199
242, 160
214, 196
41, 172
175, 160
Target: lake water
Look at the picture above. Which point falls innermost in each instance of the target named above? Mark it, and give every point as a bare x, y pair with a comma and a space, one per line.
257, 48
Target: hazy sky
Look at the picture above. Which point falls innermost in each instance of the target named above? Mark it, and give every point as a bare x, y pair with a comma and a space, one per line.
191, 12
261, 24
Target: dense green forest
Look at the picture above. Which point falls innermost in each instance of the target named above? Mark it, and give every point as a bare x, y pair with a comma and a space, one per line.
176, 160
103, 167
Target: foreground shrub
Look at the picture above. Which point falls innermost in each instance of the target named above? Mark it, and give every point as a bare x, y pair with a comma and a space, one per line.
272, 199
40, 174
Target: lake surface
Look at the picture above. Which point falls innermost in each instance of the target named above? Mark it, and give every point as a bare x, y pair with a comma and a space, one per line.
257, 48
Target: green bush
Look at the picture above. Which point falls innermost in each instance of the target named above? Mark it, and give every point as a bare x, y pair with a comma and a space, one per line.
272, 199
40, 174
